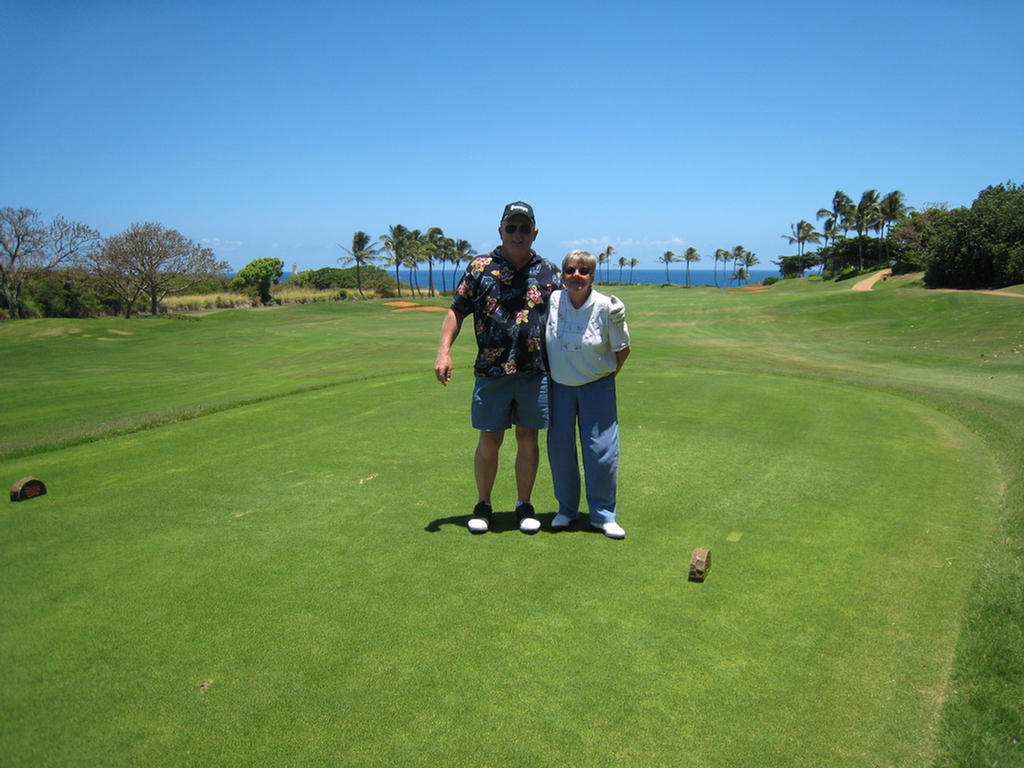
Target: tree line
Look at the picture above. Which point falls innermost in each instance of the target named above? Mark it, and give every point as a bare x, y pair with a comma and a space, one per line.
409, 248
398, 248
69, 270
981, 246
75, 272
742, 260
78, 273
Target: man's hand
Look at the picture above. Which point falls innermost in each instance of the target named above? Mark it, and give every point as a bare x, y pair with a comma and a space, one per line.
449, 331
617, 312
443, 368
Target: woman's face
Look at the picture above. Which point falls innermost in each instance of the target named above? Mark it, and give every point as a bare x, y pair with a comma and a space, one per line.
577, 277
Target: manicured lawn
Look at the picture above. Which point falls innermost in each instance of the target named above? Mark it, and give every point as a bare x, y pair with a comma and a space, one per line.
253, 545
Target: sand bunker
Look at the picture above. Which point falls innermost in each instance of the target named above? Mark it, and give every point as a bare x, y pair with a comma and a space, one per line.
412, 306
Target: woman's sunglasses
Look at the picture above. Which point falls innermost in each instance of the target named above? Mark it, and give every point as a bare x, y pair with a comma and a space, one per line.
524, 228
581, 271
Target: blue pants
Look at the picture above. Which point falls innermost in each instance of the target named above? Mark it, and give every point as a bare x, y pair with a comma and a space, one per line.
592, 406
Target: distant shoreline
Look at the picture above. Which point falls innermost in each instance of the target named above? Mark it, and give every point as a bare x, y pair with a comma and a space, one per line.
654, 276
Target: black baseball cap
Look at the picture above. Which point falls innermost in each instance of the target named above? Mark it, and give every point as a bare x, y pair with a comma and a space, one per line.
518, 208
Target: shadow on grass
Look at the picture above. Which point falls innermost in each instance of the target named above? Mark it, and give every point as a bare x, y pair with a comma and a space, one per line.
505, 522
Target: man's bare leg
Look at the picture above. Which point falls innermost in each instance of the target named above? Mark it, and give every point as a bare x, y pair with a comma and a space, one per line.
527, 461
485, 468
485, 462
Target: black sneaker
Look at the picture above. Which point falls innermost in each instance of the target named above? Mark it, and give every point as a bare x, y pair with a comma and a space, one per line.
528, 522
481, 520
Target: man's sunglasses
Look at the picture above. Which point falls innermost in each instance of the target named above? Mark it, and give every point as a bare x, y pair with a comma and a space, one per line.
581, 271
524, 228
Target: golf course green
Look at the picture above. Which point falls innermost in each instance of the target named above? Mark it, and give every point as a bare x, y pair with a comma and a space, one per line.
252, 549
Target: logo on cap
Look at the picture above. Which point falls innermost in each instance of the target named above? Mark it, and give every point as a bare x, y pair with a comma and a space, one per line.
519, 208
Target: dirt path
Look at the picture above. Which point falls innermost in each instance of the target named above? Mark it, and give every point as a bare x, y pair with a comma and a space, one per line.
869, 282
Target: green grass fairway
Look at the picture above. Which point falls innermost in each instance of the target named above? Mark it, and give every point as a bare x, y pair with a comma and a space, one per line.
253, 548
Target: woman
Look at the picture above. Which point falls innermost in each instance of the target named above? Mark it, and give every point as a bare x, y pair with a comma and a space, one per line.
585, 350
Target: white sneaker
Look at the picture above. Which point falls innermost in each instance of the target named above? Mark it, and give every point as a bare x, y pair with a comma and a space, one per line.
480, 522
529, 525
561, 521
527, 522
612, 530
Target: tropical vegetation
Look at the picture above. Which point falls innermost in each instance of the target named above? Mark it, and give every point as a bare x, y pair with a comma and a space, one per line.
63, 268
981, 246
66, 269
362, 253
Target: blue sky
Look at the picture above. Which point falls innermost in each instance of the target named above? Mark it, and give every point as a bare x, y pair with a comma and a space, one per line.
278, 129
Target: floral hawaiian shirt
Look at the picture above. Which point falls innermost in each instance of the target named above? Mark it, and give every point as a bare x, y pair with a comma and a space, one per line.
509, 308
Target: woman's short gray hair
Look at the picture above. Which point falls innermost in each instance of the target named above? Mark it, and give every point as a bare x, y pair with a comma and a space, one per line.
583, 258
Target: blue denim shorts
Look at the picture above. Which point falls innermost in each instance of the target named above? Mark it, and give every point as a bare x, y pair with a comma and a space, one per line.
517, 398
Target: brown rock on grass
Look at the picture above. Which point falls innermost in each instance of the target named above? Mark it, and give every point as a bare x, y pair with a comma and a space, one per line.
700, 564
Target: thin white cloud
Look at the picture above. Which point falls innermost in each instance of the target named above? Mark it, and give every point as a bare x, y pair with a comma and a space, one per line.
628, 242
224, 246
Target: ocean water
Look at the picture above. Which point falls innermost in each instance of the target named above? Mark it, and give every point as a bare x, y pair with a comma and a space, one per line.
677, 275
641, 276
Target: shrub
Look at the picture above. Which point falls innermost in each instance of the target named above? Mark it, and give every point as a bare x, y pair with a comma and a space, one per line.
795, 266
908, 240
66, 293
213, 284
373, 279
847, 273
770, 280
257, 276
981, 246
847, 253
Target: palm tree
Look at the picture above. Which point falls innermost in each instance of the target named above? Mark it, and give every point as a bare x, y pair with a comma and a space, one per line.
737, 258
830, 223
842, 210
622, 262
721, 255
362, 253
667, 259
691, 256
892, 209
604, 258
749, 260
395, 242
828, 232
447, 255
433, 247
463, 252
413, 256
865, 217
632, 263
803, 232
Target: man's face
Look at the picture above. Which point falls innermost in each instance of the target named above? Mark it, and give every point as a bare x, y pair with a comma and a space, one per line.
517, 236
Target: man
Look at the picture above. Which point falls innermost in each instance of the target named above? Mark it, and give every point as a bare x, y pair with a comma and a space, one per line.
507, 293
